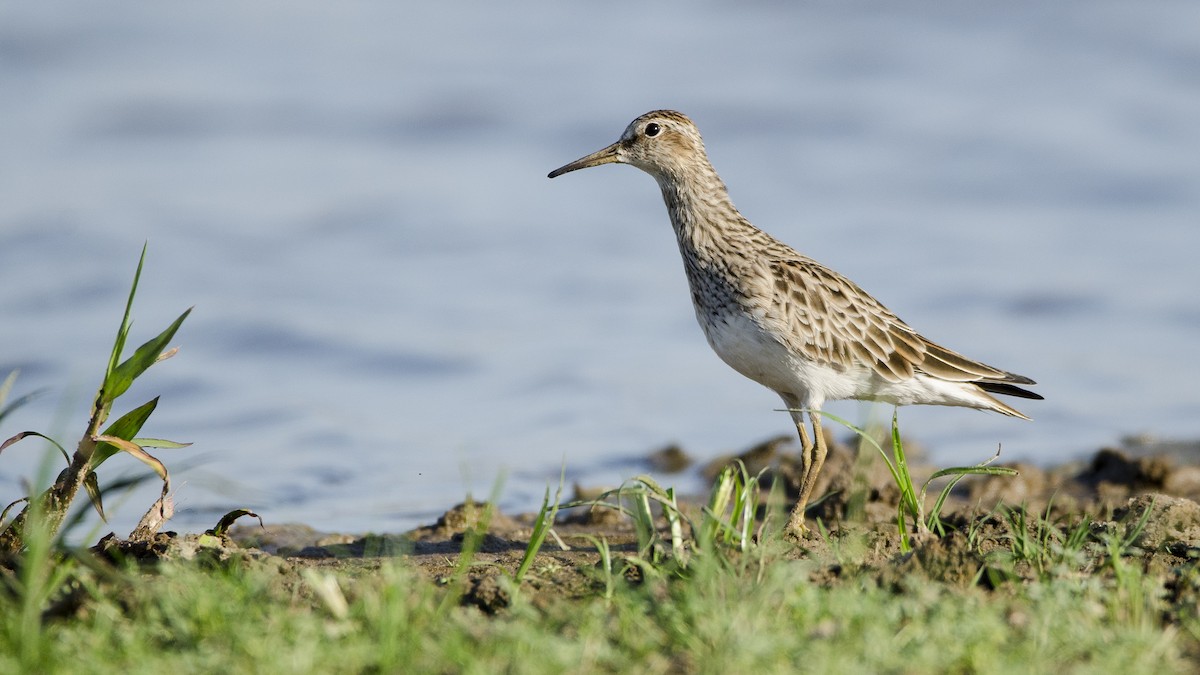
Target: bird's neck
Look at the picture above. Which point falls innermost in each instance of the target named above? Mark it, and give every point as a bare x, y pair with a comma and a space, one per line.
702, 214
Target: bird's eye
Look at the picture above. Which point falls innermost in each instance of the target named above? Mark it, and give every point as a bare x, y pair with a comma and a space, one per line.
652, 129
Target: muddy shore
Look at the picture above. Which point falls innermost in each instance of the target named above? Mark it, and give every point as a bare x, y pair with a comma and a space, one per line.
1144, 481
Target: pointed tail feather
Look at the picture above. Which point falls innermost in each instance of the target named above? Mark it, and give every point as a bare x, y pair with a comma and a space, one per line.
1009, 389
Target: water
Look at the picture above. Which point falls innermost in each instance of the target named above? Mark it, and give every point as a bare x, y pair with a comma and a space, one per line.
394, 306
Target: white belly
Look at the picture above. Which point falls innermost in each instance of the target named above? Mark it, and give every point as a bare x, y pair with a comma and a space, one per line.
755, 353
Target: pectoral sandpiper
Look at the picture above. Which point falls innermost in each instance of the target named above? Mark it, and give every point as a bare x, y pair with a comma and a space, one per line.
783, 319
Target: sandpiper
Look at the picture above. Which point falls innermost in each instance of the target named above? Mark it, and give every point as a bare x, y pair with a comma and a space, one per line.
782, 319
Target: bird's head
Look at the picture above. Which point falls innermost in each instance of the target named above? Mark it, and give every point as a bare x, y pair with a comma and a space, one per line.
663, 143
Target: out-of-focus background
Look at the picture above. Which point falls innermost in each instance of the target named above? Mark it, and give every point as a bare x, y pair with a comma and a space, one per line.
395, 307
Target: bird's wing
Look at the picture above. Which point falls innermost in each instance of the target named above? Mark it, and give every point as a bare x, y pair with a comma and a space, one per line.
833, 321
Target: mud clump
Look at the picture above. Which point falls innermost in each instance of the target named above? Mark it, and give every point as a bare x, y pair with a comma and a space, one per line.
1099, 485
671, 459
169, 546
488, 593
1168, 521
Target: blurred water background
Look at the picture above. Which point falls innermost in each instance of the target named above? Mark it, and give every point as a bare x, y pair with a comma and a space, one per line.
395, 307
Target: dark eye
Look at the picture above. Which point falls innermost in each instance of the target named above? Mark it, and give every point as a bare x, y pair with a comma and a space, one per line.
652, 129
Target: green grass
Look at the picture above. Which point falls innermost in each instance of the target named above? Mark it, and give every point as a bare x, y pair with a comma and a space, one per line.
718, 596
193, 619
1074, 599
911, 507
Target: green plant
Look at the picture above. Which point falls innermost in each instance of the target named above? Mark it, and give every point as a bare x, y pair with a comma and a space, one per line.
1043, 549
912, 501
606, 566
726, 523
97, 445
731, 514
1118, 544
542, 526
1030, 542
652, 545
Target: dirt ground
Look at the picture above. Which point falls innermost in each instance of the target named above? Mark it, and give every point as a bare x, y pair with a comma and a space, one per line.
1112, 488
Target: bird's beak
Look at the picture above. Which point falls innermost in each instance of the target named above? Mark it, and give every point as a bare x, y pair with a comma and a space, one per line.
606, 156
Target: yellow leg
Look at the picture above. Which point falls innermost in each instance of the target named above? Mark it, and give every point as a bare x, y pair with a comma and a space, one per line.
819, 455
812, 458
807, 450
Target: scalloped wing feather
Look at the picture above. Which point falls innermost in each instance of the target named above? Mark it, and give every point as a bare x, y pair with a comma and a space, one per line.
835, 322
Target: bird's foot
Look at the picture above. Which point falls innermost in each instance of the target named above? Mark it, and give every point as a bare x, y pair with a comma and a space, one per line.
797, 529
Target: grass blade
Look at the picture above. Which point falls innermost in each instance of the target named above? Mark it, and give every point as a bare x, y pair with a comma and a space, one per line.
125, 429
160, 443
26, 434
137, 451
119, 380
541, 527
228, 519
123, 331
92, 485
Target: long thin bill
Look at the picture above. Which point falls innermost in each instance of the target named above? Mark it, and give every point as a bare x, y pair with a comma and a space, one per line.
606, 156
